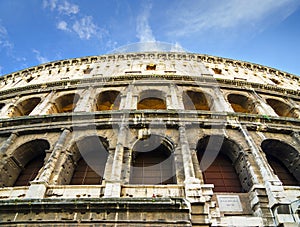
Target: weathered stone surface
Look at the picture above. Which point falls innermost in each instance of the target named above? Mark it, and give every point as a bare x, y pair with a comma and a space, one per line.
154, 117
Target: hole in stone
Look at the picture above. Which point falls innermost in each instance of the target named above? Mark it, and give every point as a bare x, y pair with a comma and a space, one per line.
151, 67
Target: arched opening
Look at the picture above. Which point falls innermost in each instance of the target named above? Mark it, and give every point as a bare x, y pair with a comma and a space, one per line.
30, 171
91, 153
24, 164
241, 103
25, 107
193, 100
217, 71
281, 108
151, 103
152, 162
284, 160
108, 100
65, 103
215, 155
152, 99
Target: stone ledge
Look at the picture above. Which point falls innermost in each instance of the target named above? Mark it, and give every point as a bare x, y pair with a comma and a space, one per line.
92, 204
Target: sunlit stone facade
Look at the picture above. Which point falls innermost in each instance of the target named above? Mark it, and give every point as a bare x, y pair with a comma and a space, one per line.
150, 139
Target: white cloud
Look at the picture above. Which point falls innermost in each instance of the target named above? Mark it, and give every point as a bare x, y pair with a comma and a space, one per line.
3, 31
85, 28
177, 48
5, 43
198, 16
143, 29
62, 25
7, 48
68, 8
41, 59
71, 21
50, 3
64, 7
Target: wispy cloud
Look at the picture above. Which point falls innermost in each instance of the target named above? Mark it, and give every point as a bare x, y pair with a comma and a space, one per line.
198, 16
7, 48
143, 29
4, 41
71, 21
63, 7
68, 8
50, 4
62, 25
41, 59
86, 28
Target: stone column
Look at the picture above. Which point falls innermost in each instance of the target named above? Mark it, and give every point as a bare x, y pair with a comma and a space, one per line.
85, 102
266, 173
113, 184
43, 107
261, 106
11, 139
134, 102
192, 184
186, 154
38, 188
220, 104
260, 193
126, 100
173, 99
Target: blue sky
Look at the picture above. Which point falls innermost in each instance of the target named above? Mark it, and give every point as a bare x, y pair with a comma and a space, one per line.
261, 31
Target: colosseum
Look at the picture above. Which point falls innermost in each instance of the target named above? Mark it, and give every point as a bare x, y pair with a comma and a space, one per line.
150, 139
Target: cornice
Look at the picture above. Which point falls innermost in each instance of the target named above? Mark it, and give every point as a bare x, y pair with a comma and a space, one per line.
150, 55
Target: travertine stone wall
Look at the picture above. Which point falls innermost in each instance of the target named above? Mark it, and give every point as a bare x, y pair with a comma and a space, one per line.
250, 108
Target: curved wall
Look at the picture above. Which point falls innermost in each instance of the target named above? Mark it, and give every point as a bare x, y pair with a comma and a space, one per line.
163, 139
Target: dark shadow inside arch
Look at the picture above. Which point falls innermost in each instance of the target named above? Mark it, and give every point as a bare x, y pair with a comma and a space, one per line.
281, 109
216, 163
25, 107
152, 99
65, 103
91, 156
108, 100
284, 160
27, 160
152, 162
242, 104
194, 100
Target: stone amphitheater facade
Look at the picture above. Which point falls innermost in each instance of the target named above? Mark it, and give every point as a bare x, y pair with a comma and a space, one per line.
150, 139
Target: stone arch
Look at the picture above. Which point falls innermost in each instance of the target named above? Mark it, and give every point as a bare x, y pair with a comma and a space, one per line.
223, 164
153, 162
284, 160
89, 157
108, 100
24, 107
152, 99
241, 103
25, 162
196, 100
281, 109
65, 103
